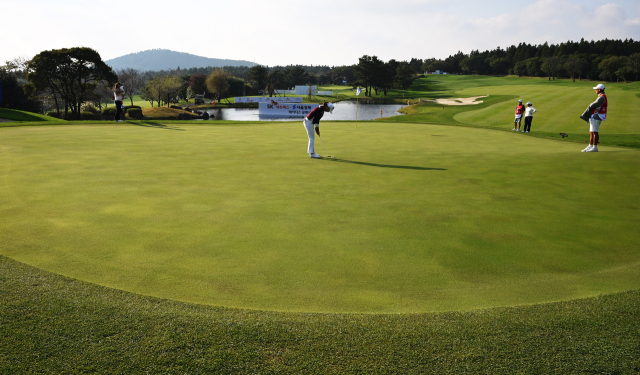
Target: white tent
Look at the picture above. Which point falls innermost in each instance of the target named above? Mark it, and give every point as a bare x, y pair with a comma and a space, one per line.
304, 90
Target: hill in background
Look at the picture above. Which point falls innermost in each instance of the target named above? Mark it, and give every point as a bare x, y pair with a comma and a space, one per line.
164, 59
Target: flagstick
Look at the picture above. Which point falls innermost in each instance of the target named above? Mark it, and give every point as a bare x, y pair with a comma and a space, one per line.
356, 111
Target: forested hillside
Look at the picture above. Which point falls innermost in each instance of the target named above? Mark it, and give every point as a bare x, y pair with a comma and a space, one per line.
164, 59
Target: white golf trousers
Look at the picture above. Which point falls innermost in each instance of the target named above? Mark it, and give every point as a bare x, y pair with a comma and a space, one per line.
312, 135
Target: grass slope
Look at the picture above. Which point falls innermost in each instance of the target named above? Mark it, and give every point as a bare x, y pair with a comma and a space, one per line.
15, 115
409, 218
50, 324
559, 103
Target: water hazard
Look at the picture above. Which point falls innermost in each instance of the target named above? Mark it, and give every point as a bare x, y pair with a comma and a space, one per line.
343, 111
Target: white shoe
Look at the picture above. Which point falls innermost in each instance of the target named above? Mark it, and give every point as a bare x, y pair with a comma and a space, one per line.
513, 129
522, 131
527, 131
315, 156
587, 149
593, 149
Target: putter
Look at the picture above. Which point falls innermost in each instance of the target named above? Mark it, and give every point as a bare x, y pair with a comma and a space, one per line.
325, 148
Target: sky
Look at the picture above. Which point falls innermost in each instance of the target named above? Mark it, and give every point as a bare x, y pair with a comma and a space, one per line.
330, 32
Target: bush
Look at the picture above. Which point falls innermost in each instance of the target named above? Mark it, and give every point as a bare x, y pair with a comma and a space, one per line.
89, 116
109, 112
91, 108
164, 113
134, 113
128, 107
56, 114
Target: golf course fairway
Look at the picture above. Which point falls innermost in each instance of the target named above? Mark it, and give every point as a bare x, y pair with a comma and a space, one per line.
407, 218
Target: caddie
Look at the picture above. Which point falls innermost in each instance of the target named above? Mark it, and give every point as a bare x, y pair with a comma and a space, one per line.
519, 112
594, 115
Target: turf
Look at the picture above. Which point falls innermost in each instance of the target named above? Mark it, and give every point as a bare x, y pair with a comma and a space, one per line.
15, 115
409, 218
558, 108
51, 325
559, 104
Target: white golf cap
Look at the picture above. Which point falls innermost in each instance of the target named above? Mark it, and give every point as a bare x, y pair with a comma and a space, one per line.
528, 103
331, 106
599, 87
520, 101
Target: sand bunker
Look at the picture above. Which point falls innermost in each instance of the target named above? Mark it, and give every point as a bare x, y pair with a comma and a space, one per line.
457, 101
5, 120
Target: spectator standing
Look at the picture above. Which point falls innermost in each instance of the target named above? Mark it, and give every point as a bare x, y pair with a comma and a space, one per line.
118, 97
528, 117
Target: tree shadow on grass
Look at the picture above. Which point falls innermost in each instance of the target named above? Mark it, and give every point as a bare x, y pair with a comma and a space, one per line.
384, 165
155, 125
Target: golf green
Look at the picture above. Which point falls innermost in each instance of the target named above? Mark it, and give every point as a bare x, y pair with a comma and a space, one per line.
407, 218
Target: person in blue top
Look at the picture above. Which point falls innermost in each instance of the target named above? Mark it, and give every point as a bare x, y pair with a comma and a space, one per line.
311, 121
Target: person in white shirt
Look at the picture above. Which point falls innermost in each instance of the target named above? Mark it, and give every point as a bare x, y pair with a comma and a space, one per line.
118, 97
528, 117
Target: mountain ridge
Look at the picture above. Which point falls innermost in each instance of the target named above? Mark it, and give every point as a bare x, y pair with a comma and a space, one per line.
165, 59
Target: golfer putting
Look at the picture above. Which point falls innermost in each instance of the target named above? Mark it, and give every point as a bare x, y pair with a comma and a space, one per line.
594, 115
312, 122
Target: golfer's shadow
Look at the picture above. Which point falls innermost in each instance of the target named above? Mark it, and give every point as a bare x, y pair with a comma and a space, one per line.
384, 165
155, 125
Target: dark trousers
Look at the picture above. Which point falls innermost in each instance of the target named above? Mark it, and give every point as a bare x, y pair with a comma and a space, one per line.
527, 123
118, 109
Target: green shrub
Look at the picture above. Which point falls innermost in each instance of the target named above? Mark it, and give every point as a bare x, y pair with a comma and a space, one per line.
128, 107
91, 108
109, 112
134, 113
89, 116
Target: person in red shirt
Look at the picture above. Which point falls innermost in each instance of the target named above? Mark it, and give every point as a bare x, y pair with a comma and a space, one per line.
313, 120
519, 111
594, 115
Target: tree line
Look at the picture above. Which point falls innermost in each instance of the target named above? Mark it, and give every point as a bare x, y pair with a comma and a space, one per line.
610, 60
71, 79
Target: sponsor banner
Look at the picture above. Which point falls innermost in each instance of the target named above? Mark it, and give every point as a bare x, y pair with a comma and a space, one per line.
264, 99
285, 110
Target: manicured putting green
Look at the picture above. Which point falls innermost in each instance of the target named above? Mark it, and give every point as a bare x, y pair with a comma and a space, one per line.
408, 218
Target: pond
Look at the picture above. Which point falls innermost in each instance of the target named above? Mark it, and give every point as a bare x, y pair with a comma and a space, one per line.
343, 111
